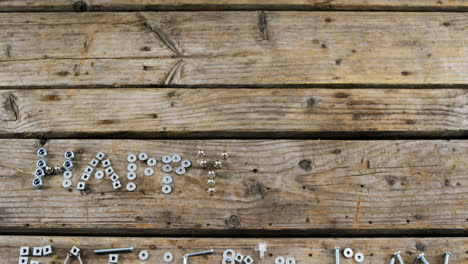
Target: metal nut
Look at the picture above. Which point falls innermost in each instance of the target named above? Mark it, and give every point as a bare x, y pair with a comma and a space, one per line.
37, 183
113, 258
211, 174
106, 163
67, 165
211, 191
117, 185
201, 154
109, 171
69, 155
41, 163
224, 155
39, 173
203, 164
81, 186
24, 251
46, 250
42, 153
100, 155
89, 169
218, 164
94, 163
85, 177
114, 177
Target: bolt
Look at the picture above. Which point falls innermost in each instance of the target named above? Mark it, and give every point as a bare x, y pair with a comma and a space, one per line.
218, 164
113, 250
422, 258
392, 261
201, 154
224, 155
337, 255
201, 253
447, 256
397, 254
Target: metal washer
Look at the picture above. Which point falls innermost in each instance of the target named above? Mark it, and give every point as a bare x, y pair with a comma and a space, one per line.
67, 174
348, 253
131, 167
151, 162
166, 159
66, 183
166, 189
167, 179
167, 168
143, 255
186, 163
279, 260
168, 257
99, 174
131, 186
176, 158
131, 175
149, 171
359, 257
290, 260
131, 158
142, 156
180, 170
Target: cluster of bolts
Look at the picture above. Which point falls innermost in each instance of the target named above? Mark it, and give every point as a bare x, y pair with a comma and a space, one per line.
42, 168
212, 170
36, 252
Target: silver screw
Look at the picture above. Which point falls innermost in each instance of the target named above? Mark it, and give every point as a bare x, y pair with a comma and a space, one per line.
224, 155
113, 250
447, 256
392, 261
201, 253
201, 154
337, 255
422, 258
397, 254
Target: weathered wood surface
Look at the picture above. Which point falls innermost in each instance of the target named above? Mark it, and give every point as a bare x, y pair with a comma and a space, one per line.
224, 112
311, 187
203, 48
309, 250
132, 5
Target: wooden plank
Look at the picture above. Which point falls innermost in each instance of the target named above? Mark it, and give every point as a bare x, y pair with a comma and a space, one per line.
303, 187
232, 112
142, 5
258, 48
305, 250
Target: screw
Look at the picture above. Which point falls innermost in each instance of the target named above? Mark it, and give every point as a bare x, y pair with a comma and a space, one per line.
422, 258
203, 164
211, 174
201, 253
113, 250
397, 254
392, 261
447, 256
224, 155
201, 154
218, 164
337, 255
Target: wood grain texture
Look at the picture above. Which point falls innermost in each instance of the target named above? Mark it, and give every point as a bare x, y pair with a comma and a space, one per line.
306, 250
255, 48
303, 187
231, 112
140, 5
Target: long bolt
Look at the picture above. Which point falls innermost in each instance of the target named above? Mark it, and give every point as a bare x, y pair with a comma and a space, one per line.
392, 261
447, 256
201, 253
337, 255
422, 258
113, 250
397, 254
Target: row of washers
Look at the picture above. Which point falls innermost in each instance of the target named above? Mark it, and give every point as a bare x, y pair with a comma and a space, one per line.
37, 252
144, 255
348, 253
231, 257
166, 159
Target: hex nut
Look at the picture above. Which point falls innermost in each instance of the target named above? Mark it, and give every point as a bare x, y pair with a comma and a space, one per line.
131, 158
66, 183
37, 183
67, 165
359, 257
23, 260
39, 173
81, 186
94, 163
100, 155
166, 159
290, 260
131, 167
37, 251
89, 169
34, 262
142, 156
67, 174
46, 250
42, 153
131, 186
151, 162
85, 177
167, 179
24, 251
167, 168
248, 260
114, 177
279, 260
113, 258
149, 171
117, 185
41, 163
75, 251
348, 253
69, 155
186, 163
131, 175
166, 189
143, 255
175, 158
109, 171
99, 174
168, 257
180, 170
106, 163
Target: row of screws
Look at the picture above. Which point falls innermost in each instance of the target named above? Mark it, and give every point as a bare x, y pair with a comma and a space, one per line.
211, 173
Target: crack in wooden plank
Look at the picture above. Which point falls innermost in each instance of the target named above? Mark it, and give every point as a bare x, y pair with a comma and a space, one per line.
174, 73
263, 25
173, 45
356, 216
84, 56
